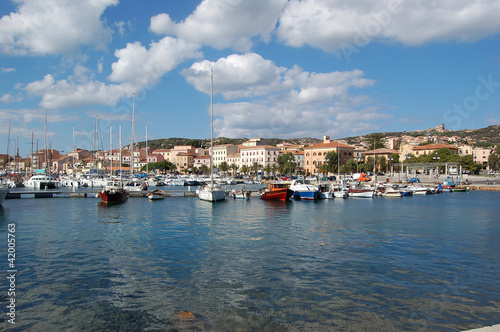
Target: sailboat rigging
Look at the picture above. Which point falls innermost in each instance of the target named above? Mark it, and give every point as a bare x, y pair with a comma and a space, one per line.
211, 192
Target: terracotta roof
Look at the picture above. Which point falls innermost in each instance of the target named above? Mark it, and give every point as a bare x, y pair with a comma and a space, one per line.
382, 151
434, 147
329, 145
258, 147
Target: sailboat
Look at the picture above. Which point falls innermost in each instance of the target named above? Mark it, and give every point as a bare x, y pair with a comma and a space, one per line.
113, 192
211, 192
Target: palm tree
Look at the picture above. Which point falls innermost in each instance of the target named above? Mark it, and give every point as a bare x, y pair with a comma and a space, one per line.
274, 168
267, 169
255, 168
204, 169
224, 167
234, 167
244, 169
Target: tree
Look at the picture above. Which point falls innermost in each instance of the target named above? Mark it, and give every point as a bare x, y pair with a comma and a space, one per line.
244, 169
286, 163
223, 167
494, 159
274, 168
267, 169
234, 168
204, 169
468, 164
376, 141
350, 166
382, 164
332, 162
255, 167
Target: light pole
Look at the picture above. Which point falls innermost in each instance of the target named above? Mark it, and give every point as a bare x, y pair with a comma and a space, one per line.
436, 158
390, 164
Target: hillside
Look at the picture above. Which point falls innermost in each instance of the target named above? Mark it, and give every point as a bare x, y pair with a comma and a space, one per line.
168, 143
489, 136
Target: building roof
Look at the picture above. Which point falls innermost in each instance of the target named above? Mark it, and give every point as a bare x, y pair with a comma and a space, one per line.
382, 151
258, 147
329, 145
435, 147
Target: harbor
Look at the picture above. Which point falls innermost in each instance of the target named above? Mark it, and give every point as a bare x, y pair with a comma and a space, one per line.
425, 263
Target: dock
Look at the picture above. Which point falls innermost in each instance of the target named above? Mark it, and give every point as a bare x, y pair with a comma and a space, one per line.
84, 194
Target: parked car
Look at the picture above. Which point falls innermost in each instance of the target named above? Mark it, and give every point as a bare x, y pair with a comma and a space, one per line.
491, 172
413, 180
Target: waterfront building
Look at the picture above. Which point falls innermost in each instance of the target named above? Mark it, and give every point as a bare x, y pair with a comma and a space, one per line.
221, 152
79, 154
261, 154
382, 153
464, 149
183, 161
254, 142
234, 158
166, 154
41, 158
314, 155
299, 158
481, 156
433, 148
198, 161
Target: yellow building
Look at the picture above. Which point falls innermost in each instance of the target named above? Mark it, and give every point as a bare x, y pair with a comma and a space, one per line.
315, 155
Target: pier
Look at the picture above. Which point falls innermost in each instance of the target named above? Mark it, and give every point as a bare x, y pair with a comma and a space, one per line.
84, 194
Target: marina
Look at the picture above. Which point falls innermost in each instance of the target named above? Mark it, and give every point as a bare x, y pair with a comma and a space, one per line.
419, 263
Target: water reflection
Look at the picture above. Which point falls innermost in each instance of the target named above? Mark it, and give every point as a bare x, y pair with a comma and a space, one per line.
257, 265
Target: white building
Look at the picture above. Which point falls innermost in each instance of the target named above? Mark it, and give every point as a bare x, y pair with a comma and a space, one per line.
221, 152
261, 154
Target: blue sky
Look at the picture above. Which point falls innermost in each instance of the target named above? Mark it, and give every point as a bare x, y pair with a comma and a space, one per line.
281, 68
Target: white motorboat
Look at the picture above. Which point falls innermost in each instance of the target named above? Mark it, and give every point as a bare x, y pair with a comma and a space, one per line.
304, 189
156, 195
41, 181
392, 192
419, 190
325, 191
361, 193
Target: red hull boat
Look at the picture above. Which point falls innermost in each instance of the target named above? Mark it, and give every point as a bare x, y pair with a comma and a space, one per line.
113, 196
276, 191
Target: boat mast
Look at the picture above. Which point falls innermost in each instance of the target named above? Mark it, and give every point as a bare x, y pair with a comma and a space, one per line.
45, 142
147, 155
73, 162
8, 150
120, 154
111, 150
132, 144
211, 127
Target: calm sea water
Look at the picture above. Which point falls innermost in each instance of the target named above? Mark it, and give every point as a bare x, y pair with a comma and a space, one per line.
415, 263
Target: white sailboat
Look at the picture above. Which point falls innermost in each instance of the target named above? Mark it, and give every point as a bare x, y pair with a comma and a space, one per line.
134, 184
211, 192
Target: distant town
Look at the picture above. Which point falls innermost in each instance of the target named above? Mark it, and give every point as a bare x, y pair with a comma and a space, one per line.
381, 152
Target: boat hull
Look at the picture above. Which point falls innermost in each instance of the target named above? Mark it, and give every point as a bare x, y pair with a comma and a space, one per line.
283, 194
241, 194
306, 195
113, 196
360, 193
3, 193
212, 195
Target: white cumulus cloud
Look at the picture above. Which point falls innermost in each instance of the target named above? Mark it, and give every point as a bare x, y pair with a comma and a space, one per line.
40, 27
224, 23
333, 25
142, 67
286, 102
